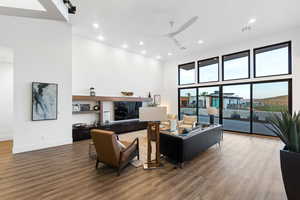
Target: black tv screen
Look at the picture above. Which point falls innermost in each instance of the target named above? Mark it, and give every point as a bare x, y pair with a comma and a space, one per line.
126, 110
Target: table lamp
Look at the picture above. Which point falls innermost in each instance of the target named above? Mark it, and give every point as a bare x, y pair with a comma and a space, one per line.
153, 115
212, 111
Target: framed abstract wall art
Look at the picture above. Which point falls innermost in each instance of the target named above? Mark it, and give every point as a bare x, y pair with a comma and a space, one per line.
44, 101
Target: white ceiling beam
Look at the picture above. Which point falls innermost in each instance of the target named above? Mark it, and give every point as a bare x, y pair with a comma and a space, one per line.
55, 10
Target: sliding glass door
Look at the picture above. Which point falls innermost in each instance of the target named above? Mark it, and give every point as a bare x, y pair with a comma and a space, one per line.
242, 107
236, 108
187, 102
268, 99
208, 97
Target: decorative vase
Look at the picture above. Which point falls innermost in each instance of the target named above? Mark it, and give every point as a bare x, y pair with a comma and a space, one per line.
92, 92
149, 95
290, 165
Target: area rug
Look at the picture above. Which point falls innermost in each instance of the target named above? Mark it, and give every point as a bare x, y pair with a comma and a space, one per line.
142, 135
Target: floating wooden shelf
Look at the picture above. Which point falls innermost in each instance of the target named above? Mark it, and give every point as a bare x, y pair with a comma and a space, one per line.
105, 98
86, 112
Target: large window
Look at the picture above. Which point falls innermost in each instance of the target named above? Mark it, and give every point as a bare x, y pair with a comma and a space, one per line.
208, 97
186, 73
243, 107
272, 60
236, 66
268, 99
208, 70
236, 107
187, 102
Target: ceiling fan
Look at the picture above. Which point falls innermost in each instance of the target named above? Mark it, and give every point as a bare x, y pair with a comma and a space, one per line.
182, 28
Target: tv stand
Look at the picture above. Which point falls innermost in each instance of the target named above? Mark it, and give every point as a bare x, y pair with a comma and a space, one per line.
83, 133
124, 126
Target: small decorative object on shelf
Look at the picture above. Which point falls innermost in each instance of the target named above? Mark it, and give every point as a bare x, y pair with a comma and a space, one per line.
128, 94
96, 107
157, 99
149, 95
92, 92
76, 107
152, 105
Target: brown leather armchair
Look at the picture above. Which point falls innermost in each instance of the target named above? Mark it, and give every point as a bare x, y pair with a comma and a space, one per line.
110, 152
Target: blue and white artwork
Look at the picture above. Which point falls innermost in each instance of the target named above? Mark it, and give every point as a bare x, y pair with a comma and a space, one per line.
44, 101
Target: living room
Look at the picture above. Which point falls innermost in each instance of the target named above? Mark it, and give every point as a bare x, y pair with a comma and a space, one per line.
214, 75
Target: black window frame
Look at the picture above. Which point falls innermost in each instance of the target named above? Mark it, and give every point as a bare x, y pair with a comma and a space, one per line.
289, 43
198, 69
178, 99
231, 54
290, 99
178, 72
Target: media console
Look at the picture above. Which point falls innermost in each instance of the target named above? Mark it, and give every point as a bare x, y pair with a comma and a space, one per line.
83, 133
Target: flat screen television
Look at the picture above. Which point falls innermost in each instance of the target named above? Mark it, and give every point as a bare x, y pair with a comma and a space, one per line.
126, 110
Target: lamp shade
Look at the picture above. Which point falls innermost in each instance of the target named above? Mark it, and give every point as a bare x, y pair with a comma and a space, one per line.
153, 113
212, 111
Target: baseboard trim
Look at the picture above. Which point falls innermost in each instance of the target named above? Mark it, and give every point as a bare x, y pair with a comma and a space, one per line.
27, 148
5, 136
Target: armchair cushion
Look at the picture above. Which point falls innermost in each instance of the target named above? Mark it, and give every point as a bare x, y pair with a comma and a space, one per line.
126, 153
121, 144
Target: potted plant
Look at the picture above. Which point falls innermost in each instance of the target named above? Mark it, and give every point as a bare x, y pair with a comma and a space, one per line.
287, 128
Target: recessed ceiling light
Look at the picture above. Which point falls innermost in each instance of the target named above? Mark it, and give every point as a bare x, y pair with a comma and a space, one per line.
96, 26
200, 41
100, 37
141, 43
251, 21
144, 52
170, 54
158, 57
124, 46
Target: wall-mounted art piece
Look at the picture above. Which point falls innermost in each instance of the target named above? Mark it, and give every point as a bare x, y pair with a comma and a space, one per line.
44, 101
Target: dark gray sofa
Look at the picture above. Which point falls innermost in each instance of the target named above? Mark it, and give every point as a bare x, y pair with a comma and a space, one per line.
181, 148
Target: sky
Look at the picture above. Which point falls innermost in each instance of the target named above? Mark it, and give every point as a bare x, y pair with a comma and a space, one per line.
267, 63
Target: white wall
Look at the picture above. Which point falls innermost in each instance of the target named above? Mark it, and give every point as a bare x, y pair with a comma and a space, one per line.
170, 96
42, 52
6, 91
110, 71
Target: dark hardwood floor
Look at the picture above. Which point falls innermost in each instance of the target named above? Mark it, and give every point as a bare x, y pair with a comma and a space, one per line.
244, 168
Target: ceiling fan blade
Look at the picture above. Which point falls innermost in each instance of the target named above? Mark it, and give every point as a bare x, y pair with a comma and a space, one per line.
183, 27
178, 44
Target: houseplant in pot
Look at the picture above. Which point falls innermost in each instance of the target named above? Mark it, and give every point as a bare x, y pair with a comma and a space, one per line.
287, 128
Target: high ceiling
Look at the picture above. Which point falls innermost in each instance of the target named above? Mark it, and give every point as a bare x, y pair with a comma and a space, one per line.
130, 21
220, 22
